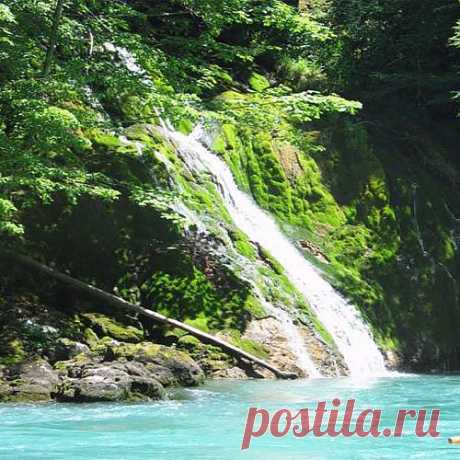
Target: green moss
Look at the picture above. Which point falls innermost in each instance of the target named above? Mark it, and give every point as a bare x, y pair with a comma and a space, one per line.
258, 82
388, 343
90, 337
189, 342
190, 296
200, 323
78, 360
104, 139
203, 197
144, 133
271, 261
14, 353
254, 307
313, 320
230, 97
185, 126
131, 350
243, 245
25, 397
230, 133
108, 326
247, 345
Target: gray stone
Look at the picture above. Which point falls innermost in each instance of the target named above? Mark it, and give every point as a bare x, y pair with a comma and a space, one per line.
68, 349
109, 381
31, 381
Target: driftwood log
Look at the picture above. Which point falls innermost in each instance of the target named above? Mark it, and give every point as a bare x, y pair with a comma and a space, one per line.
123, 304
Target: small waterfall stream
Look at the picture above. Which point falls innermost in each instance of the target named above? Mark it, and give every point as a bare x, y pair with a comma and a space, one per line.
296, 343
340, 318
435, 263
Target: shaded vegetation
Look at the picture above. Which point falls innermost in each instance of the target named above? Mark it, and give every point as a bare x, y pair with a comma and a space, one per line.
88, 183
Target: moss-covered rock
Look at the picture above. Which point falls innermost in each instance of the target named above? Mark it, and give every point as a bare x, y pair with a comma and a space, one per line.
14, 353
103, 325
91, 338
183, 367
108, 381
34, 380
258, 82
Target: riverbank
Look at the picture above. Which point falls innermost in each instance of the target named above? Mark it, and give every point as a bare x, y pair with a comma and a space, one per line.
84, 355
80, 352
77, 352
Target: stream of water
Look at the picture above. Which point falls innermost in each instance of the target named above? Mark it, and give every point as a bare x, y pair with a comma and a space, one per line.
341, 319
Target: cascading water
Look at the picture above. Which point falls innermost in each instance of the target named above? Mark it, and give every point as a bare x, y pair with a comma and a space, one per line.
296, 343
340, 318
254, 222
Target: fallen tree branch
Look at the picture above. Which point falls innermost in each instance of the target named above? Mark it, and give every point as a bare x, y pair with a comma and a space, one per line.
121, 303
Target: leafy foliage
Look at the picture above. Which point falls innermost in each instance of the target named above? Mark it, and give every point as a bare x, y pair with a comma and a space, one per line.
79, 182
397, 47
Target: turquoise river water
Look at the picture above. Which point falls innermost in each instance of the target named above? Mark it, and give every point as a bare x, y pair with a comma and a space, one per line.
208, 423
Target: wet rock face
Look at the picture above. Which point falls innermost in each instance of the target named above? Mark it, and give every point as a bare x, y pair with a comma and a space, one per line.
393, 360
314, 250
268, 332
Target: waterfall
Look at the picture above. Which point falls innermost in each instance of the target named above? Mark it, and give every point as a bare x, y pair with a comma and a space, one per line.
351, 334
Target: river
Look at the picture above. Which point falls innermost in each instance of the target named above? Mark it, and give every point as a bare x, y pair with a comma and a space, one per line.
208, 423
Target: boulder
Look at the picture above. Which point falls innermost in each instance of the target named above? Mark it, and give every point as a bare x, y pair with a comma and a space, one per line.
108, 381
34, 380
101, 382
183, 368
67, 349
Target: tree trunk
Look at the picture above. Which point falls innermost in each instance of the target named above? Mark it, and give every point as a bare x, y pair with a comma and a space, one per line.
53, 38
121, 303
303, 5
